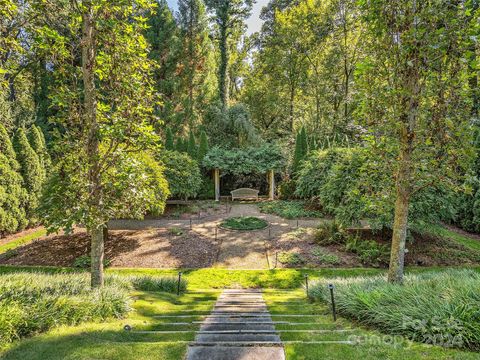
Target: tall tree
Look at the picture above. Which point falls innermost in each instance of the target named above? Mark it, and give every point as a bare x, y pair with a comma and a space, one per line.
195, 63
203, 147
414, 108
108, 121
229, 16
30, 168
169, 142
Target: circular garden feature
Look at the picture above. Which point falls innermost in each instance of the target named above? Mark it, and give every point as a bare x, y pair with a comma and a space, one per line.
244, 223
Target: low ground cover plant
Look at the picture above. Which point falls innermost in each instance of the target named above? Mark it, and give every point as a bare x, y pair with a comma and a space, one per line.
289, 209
244, 223
370, 252
290, 258
324, 257
31, 303
435, 308
330, 233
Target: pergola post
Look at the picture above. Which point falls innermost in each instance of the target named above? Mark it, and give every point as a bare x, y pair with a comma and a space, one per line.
271, 185
216, 175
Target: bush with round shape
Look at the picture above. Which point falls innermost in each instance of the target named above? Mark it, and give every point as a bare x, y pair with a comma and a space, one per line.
182, 173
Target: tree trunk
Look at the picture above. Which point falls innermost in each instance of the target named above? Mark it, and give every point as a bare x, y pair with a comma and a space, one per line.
91, 124
223, 67
397, 255
96, 254
404, 177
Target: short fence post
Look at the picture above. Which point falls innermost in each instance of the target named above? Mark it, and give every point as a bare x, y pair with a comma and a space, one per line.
216, 233
269, 232
179, 281
332, 297
276, 259
190, 223
297, 223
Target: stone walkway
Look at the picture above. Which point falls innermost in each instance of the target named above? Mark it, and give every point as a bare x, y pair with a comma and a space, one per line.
237, 249
239, 327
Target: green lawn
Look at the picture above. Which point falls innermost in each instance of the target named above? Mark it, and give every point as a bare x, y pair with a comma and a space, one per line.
442, 231
22, 240
110, 341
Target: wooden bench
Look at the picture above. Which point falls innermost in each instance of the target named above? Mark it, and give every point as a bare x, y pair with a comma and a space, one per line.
245, 194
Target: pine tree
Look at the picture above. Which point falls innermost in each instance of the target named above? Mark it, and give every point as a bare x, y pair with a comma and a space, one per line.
203, 148
179, 144
6, 148
13, 195
37, 142
169, 142
192, 146
30, 169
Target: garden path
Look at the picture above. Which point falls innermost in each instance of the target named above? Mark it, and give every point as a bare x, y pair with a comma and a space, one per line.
236, 249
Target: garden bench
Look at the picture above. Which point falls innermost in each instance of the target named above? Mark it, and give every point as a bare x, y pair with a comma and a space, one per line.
245, 193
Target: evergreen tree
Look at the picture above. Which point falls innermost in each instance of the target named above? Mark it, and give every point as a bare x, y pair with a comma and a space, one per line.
38, 144
179, 144
6, 148
203, 148
30, 169
192, 146
12, 195
169, 142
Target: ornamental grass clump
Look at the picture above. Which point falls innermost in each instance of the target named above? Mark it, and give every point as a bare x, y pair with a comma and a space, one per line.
32, 303
435, 308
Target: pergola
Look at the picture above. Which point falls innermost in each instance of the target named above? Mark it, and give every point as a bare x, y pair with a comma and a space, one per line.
265, 159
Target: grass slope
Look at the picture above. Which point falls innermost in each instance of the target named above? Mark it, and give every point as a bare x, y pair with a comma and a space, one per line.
442, 231
22, 240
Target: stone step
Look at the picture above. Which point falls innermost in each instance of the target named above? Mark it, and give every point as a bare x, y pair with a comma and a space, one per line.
233, 352
236, 326
209, 338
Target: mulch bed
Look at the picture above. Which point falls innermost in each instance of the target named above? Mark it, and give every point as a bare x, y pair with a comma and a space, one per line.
423, 250
156, 248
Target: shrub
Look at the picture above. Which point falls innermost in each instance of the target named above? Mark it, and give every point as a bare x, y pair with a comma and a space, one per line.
85, 261
182, 173
290, 258
151, 283
330, 233
288, 209
369, 251
433, 307
192, 146
207, 190
325, 258
286, 189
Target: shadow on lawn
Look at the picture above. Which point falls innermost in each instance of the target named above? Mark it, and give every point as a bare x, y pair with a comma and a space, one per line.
98, 344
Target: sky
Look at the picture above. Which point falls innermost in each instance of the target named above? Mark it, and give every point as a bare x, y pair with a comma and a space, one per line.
254, 23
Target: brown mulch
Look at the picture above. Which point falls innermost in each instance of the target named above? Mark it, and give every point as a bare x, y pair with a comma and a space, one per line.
423, 250
156, 248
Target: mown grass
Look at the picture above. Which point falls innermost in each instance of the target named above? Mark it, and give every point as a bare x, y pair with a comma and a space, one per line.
442, 231
22, 240
109, 341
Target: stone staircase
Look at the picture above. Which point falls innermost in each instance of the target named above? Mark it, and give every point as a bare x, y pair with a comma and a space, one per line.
239, 327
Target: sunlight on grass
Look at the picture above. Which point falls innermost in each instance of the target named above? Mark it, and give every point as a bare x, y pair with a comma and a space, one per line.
442, 231
23, 240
